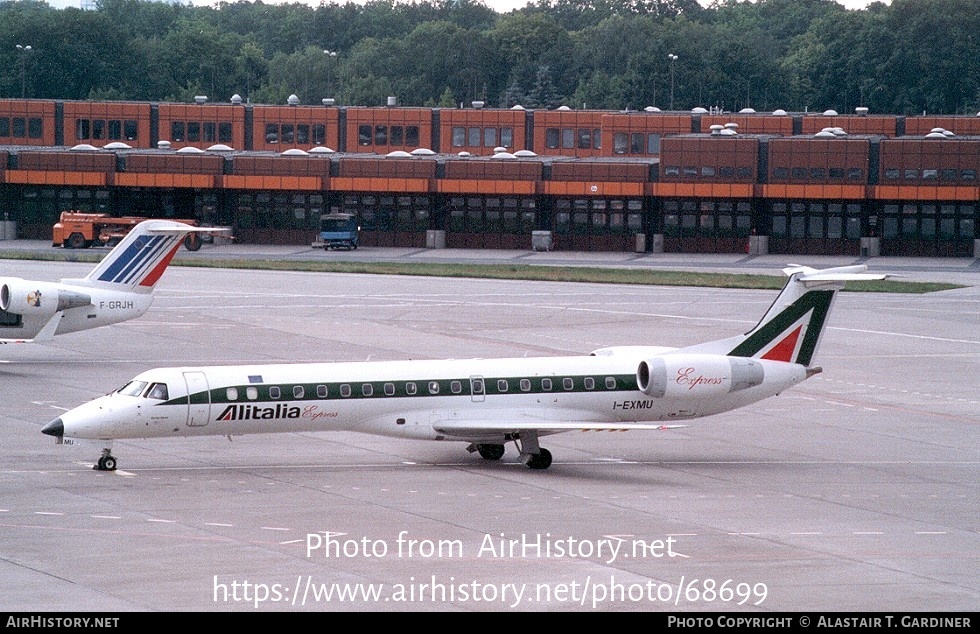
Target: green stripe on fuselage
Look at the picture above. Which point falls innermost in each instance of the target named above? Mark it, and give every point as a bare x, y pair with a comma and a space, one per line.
398, 389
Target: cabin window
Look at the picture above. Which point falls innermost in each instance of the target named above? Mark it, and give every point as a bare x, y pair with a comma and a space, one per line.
411, 388
433, 387
567, 383
275, 392
367, 389
158, 391
546, 385
298, 391
589, 383
456, 387
525, 385
345, 390
251, 393
389, 389
321, 391
610, 383
232, 393
501, 385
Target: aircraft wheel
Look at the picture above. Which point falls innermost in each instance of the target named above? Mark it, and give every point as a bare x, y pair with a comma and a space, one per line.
106, 463
540, 461
192, 242
491, 452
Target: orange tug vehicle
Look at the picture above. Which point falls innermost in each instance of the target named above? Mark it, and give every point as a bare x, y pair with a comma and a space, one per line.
80, 230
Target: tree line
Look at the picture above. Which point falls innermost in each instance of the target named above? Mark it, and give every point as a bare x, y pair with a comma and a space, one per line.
908, 57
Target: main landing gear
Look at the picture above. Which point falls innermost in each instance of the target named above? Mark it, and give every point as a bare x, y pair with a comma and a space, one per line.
106, 463
532, 454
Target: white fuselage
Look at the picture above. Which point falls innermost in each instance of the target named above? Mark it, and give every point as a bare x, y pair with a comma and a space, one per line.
477, 400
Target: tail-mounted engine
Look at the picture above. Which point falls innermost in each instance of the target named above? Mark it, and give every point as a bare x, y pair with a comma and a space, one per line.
697, 375
23, 297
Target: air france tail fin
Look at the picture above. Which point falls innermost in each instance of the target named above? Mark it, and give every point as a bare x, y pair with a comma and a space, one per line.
138, 261
791, 328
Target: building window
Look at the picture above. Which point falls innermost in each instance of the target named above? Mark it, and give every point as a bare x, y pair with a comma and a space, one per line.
459, 136
568, 138
551, 138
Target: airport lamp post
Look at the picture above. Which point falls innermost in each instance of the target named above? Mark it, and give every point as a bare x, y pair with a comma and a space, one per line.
24, 52
330, 57
673, 58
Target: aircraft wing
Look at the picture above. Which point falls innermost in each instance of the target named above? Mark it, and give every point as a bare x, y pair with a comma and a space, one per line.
481, 428
46, 333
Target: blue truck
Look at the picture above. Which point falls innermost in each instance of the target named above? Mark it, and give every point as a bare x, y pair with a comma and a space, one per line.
337, 231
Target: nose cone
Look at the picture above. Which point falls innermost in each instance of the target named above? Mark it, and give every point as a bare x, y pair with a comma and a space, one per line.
55, 428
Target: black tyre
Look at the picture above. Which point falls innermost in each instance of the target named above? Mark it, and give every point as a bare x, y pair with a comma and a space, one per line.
540, 461
192, 242
76, 241
491, 452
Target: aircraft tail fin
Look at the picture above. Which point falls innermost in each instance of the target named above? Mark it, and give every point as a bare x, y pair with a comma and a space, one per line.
138, 261
790, 330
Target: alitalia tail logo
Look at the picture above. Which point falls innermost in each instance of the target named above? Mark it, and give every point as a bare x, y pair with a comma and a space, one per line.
254, 412
792, 334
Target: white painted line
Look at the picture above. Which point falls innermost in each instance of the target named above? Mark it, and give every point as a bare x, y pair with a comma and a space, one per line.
868, 533
930, 532
46, 513
162, 521
106, 517
274, 528
218, 524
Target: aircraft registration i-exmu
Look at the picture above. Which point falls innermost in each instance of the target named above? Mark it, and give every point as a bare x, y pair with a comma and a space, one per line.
485, 403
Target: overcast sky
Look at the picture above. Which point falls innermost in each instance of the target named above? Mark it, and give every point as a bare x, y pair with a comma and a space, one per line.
503, 6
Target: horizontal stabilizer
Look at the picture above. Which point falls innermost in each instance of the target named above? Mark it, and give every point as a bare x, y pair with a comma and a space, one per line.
853, 273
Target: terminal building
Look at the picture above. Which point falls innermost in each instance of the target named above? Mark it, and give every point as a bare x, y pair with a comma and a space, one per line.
647, 181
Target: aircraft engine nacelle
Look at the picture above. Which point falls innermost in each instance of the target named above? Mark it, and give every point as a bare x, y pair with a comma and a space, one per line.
24, 297
695, 376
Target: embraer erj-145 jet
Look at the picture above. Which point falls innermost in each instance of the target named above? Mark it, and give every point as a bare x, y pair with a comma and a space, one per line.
118, 289
483, 402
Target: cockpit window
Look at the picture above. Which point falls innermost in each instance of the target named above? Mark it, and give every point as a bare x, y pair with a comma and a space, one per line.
158, 391
133, 388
